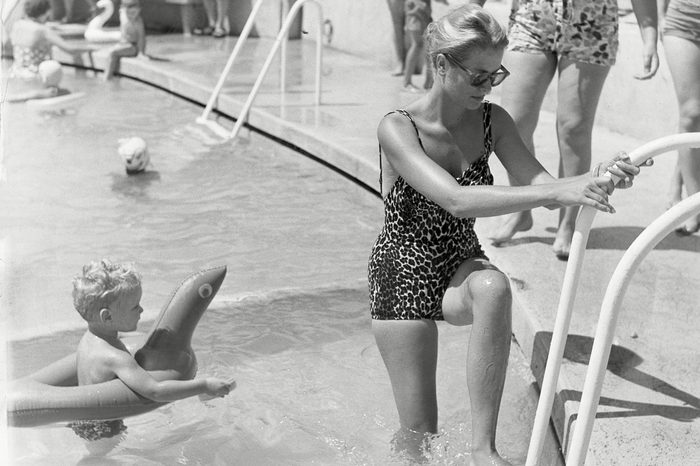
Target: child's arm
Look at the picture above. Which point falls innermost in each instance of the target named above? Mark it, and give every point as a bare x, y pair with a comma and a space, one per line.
55, 39
136, 378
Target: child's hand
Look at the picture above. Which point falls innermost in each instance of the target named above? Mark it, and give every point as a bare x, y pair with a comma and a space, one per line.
218, 387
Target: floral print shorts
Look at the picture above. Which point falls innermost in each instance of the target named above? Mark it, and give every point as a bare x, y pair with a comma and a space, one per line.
580, 30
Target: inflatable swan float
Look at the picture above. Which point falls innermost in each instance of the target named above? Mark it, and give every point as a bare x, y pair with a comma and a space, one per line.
95, 30
52, 395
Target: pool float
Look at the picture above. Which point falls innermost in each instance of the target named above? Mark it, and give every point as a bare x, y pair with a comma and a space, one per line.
95, 30
52, 395
56, 104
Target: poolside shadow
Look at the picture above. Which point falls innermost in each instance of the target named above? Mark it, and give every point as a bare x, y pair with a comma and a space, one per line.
623, 363
135, 186
620, 238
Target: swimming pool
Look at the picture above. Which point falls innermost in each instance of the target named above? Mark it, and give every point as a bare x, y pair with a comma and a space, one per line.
290, 322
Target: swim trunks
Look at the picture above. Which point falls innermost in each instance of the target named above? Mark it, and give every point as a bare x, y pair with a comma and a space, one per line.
96, 430
26, 60
418, 15
683, 20
421, 245
580, 30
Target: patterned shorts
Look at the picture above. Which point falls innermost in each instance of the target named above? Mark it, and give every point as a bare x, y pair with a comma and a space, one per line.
96, 430
580, 30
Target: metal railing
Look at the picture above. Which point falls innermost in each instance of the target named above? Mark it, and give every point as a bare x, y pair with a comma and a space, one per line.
204, 117
601, 348
280, 42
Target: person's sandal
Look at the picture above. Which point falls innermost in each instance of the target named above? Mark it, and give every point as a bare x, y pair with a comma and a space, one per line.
219, 33
206, 31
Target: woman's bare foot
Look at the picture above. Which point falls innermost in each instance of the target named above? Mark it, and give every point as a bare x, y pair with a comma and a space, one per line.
398, 71
487, 459
520, 221
562, 242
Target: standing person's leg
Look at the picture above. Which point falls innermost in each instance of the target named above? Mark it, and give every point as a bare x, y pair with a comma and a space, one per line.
683, 58
221, 27
409, 351
396, 9
522, 96
413, 56
479, 294
579, 88
210, 10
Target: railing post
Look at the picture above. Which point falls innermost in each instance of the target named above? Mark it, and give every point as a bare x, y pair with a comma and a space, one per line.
564, 310
266, 66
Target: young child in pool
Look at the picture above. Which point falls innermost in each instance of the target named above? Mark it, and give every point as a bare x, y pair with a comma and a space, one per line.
33, 65
107, 296
133, 41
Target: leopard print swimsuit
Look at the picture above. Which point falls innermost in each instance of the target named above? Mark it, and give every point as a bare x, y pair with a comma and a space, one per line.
421, 245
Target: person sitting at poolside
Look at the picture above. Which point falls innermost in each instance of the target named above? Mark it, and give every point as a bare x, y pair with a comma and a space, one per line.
133, 41
32, 41
108, 296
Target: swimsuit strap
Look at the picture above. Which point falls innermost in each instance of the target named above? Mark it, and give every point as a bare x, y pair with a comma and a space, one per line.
488, 138
407, 115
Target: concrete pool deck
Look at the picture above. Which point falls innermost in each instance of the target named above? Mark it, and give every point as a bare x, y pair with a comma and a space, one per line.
650, 410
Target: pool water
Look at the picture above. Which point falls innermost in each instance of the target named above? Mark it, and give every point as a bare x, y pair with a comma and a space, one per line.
290, 323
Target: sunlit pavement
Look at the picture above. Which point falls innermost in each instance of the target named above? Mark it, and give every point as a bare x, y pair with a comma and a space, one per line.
649, 409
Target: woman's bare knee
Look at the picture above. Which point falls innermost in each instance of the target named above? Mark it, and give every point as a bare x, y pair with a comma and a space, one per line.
489, 291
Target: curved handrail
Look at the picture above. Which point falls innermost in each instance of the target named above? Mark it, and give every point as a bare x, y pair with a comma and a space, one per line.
566, 300
294, 10
204, 117
607, 320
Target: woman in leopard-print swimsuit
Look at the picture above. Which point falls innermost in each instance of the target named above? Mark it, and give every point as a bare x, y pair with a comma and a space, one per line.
427, 264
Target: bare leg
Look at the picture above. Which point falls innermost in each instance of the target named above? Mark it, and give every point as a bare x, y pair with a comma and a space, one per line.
68, 14
480, 293
675, 189
578, 92
115, 54
523, 93
210, 10
413, 55
222, 16
409, 351
396, 9
683, 58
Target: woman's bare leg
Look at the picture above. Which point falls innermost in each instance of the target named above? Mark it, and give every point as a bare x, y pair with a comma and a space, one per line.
480, 294
523, 93
578, 92
683, 58
409, 351
396, 9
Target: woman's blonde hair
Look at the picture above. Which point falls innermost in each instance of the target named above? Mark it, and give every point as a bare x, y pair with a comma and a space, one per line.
462, 30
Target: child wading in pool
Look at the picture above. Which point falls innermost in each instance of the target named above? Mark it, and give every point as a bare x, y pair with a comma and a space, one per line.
33, 66
133, 41
107, 296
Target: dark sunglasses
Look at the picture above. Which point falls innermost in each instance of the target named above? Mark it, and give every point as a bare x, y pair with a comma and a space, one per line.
479, 79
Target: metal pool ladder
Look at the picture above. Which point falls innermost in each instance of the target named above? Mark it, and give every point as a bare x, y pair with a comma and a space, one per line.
280, 42
617, 286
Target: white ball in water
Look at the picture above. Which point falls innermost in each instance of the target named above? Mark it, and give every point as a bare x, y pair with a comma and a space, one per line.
50, 72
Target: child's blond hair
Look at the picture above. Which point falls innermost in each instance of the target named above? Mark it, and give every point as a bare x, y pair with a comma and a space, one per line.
100, 285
